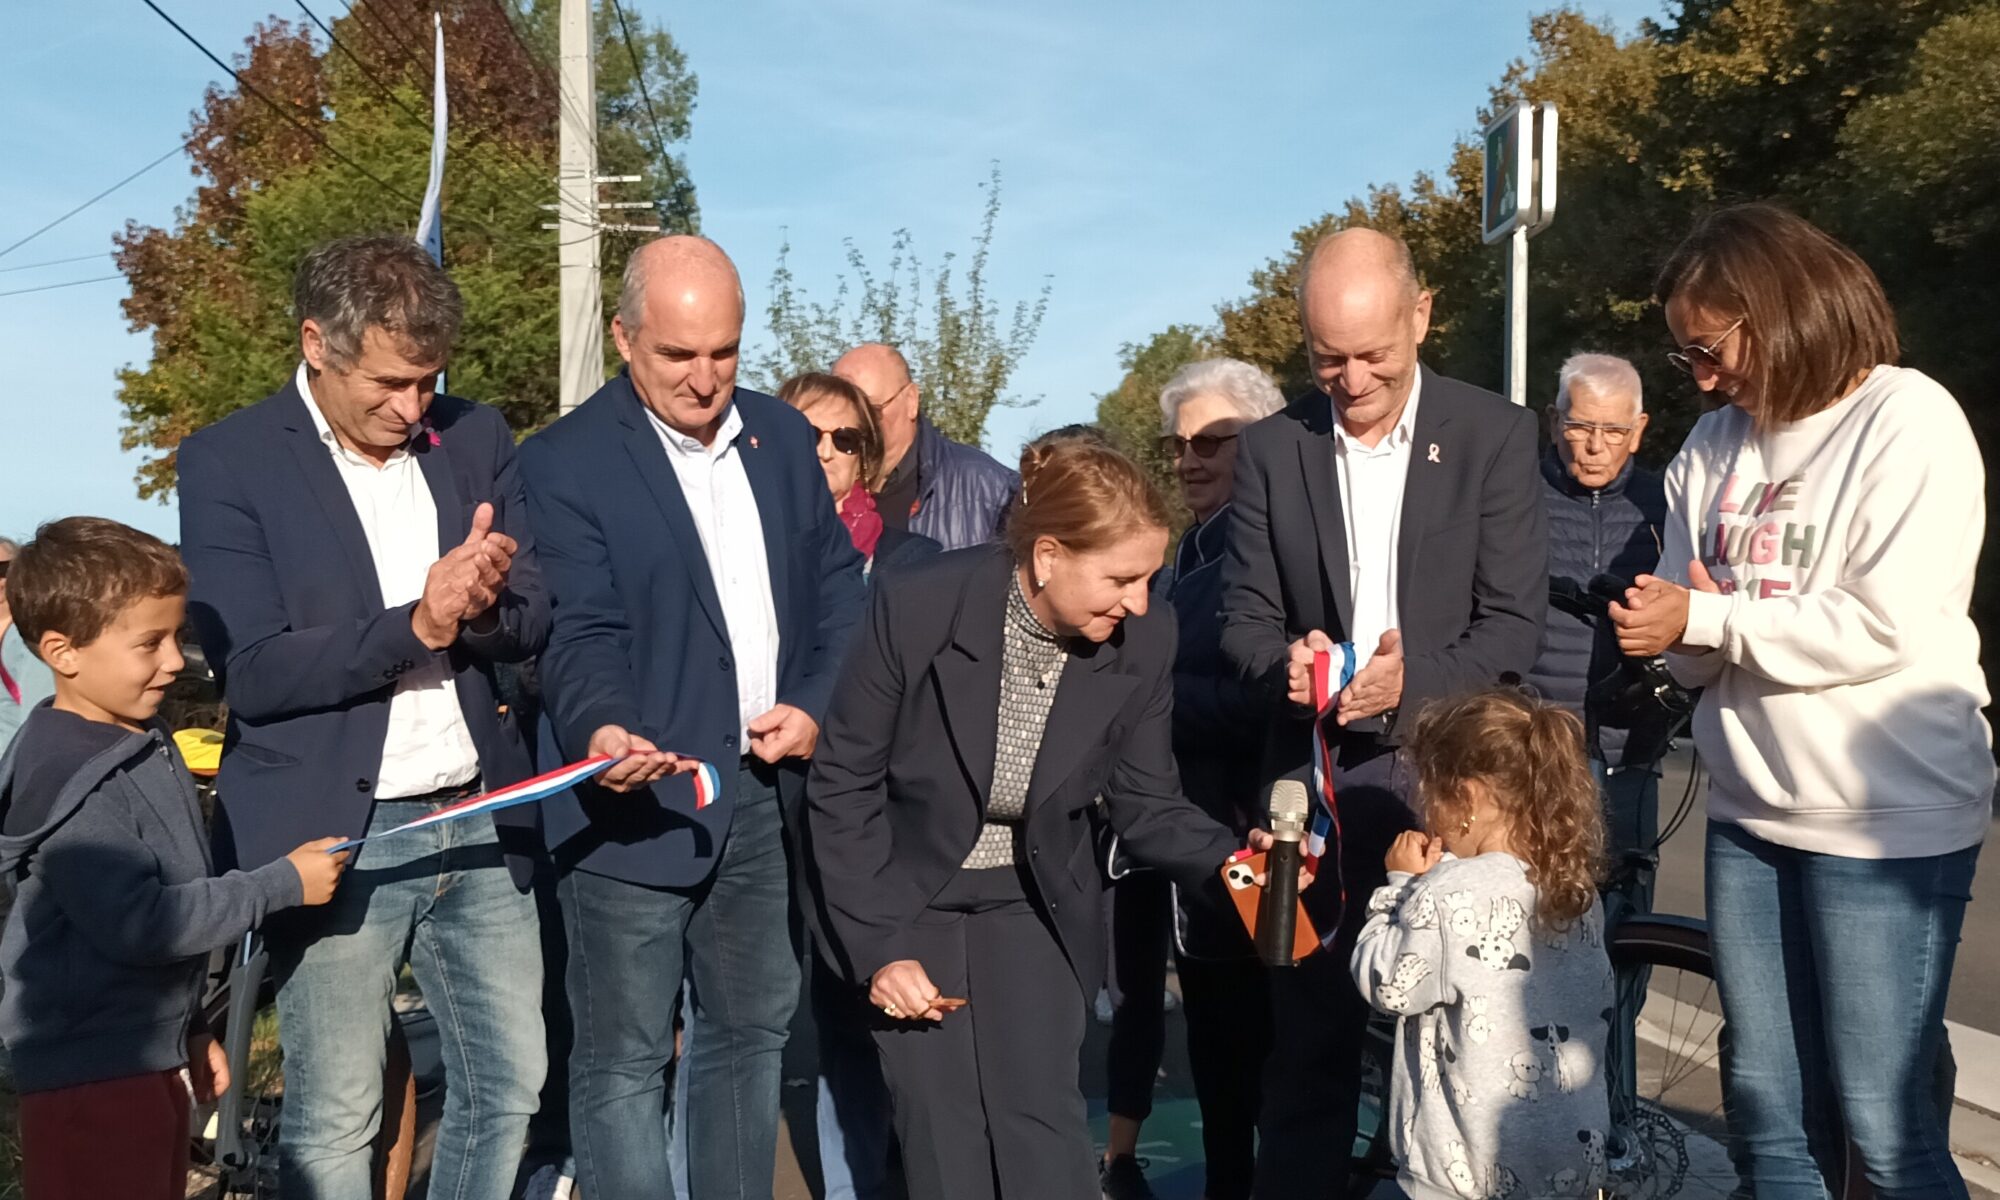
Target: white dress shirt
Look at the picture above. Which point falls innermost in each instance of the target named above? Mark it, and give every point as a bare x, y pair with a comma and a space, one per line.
429, 746
725, 513
1372, 479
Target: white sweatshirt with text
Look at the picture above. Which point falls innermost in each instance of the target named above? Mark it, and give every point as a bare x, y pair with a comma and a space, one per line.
1840, 662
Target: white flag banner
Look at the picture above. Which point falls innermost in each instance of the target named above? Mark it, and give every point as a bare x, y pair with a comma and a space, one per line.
430, 232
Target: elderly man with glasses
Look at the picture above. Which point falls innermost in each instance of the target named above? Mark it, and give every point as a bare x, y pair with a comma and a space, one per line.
1605, 513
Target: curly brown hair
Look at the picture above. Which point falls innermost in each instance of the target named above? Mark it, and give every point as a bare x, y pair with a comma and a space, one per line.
1530, 756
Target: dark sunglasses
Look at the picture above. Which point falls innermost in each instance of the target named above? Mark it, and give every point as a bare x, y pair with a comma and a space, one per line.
1204, 445
3, 567
847, 440
1687, 358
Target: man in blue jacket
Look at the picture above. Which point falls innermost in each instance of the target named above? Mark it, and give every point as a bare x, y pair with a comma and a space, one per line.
359, 561
703, 590
1605, 513
953, 494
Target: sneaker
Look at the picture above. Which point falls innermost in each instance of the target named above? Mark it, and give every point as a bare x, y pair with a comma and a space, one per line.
1103, 1006
1169, 1001
1124, 1178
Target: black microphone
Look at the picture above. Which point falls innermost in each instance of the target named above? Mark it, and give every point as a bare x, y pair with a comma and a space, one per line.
1278, 908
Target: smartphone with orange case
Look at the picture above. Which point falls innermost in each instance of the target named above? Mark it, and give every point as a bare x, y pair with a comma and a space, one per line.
1239, 875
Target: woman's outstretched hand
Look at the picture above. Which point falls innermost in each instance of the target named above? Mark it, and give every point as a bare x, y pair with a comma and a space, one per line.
905, 993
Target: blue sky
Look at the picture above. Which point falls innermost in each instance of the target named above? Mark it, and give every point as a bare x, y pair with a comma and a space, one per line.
1154, 154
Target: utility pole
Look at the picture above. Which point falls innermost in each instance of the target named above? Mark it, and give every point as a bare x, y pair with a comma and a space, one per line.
581, 331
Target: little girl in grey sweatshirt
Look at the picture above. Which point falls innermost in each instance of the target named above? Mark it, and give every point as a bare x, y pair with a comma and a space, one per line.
1488, 943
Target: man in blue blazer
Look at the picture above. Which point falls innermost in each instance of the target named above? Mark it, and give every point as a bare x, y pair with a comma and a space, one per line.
360, 559
702, 591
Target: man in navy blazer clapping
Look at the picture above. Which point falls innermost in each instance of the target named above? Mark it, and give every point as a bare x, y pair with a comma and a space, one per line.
702, 592
359, 560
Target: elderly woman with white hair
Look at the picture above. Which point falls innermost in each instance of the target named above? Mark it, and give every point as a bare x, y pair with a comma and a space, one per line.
25, 680
1204, 406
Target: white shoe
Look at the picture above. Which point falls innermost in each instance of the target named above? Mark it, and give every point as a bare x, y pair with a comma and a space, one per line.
1103, 1006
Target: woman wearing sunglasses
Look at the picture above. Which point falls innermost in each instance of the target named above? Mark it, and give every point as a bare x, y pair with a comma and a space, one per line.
855, 1133
1823, 529
850, 452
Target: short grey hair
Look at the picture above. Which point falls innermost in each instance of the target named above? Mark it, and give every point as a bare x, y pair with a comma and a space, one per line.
1245, 386
384, 281
632, 284
1603, 375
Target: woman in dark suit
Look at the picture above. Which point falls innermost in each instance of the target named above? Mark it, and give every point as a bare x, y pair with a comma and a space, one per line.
994, 695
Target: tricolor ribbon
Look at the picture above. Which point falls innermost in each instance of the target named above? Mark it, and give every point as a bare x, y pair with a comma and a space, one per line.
707, 786
1327, 684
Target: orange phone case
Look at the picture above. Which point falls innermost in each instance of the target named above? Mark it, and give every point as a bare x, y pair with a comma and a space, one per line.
1239, 875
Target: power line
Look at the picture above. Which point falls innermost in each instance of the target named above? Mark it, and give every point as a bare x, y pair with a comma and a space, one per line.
645, 93
414, 118
178, 147
275, 107
406, 56
50, 287
56, 262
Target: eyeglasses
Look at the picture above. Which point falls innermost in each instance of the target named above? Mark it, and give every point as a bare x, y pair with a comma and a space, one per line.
1204, 445
3, 567
1687, 358
847, 440
1613, 435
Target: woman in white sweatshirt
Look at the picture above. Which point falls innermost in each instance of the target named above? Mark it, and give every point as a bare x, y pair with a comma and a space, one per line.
1824, 525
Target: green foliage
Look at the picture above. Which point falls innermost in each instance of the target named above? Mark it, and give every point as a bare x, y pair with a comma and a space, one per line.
947, 325
214, 290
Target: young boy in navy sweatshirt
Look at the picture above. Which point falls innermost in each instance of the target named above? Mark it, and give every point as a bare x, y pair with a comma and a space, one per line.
116, 903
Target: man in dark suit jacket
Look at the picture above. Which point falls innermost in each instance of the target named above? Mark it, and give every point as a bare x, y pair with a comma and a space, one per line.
703, 590
1398, 512
360, 560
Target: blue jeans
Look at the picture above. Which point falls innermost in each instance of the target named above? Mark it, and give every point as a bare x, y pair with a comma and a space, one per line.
441, 897
853, 1118
629, 948
1833, 973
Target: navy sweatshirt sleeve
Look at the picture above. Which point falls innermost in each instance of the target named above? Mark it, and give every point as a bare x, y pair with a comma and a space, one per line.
107, 882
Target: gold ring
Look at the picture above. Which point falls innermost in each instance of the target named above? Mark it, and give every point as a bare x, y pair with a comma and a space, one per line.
891, 1010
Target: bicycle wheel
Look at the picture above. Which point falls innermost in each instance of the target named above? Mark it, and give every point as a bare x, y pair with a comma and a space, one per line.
1663, 1065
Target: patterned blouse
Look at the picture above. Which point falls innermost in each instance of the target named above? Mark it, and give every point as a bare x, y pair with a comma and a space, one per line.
1031, 666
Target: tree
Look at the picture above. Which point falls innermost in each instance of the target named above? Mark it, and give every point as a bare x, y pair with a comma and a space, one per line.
214, 288
948, 327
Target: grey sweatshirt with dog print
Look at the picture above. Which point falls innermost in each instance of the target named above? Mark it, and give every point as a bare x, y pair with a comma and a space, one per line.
1499, 1089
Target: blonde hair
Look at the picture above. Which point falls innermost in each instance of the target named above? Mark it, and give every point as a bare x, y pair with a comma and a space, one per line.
1082, 492
1529, 756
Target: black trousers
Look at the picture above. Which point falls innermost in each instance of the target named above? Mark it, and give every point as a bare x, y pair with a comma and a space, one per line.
1312, 1079
1142, 927
1228, 1009
987, 1105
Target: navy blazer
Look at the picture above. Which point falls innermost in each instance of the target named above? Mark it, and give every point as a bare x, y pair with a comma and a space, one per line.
638, 638
1471, 558
285, 601
905, 767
